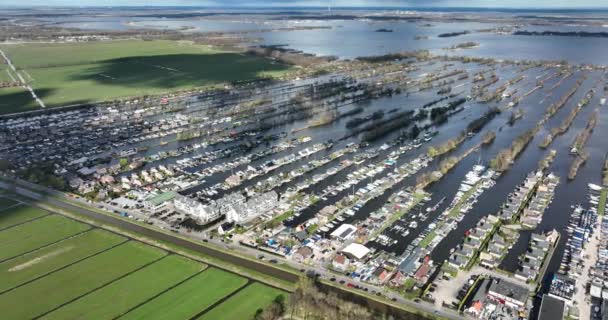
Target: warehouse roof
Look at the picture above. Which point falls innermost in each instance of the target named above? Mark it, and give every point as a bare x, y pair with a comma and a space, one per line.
161, 198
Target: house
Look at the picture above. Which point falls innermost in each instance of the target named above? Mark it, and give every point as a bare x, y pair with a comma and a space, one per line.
356, 251
344, 232
107, 179
381, 274
160, 202
422, 273
340, 262
303, 253
457, 261
508, 293
398, 279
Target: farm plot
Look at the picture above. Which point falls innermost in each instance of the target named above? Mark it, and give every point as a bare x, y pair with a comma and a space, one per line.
244, 304
120, 296
189, 298
72, 73
42, 296
35, 234
19, 214
35, 264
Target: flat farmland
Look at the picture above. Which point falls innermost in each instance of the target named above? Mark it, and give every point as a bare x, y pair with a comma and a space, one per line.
35, 234
48, 293
189, 298
64, 74
120, 296
19, 214
244, 304
58, 268
35, 264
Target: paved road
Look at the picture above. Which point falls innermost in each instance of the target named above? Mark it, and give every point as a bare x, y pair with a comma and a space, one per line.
26, 86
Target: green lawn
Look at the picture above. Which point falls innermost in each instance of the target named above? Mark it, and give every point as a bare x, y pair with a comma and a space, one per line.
45, 294
4, 73
6, 202
32, 235
189, 298
601, 207
64, 74
427, 239
244, 304
35, 264
19, 214
120, 296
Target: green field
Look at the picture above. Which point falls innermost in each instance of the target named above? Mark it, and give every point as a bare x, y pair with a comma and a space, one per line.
4, 73
54, 268
32, 235
244, 304
64, 74
120, 296
35, 264
43, 295
19, 214
189, 298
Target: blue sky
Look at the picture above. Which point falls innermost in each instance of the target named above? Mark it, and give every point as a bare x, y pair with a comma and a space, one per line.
350, 3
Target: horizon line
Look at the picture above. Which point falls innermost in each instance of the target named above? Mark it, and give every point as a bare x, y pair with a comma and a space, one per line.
309, 7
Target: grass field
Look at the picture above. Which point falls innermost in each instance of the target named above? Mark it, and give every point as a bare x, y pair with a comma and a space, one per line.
120, 296
43, 295
35, 264
64, 74
32, 235
4, 73
189, 298
59, 270
244, 304
19, 214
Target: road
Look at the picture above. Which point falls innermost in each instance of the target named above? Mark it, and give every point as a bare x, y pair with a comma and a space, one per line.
23, 82
235, 259
582, 299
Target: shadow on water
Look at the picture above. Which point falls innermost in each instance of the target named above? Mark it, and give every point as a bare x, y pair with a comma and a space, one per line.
178, 70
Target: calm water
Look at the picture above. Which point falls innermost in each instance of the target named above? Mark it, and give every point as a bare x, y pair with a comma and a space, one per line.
354, 38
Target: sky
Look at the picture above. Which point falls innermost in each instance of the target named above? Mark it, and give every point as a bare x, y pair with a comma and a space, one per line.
313, 3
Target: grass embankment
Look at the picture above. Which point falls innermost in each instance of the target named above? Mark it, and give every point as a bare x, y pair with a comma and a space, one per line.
579, 144
33, 235
72, 73
121, 295
19, 214
563, 128
244, 304
35, 264
189, 298
602, 203
69, 283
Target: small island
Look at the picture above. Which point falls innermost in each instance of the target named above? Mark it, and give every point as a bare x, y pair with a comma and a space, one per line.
464, 45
